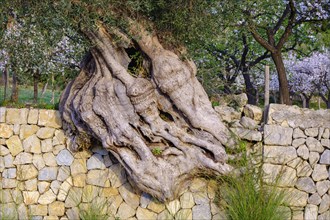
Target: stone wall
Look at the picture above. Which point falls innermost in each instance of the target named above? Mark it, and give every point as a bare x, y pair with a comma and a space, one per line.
297, 150
42, 179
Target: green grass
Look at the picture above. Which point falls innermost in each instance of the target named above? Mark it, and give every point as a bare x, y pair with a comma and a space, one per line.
25, 98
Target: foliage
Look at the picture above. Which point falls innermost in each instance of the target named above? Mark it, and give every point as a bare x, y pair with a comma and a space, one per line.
157, 151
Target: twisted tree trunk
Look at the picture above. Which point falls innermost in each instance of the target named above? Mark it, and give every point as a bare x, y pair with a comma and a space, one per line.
161, 127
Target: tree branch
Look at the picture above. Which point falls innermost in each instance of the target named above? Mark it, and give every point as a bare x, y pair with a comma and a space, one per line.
288, 28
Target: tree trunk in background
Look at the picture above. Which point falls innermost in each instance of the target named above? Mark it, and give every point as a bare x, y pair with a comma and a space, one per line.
36, 77
249, 89
6, 83
303, 100
44, 89
282, 78
166, 111
14, 92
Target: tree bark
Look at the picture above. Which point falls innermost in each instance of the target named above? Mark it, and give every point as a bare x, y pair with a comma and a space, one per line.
167, 110
14, 92
44, 89
249, 88
6, 83
36, 77
282, 78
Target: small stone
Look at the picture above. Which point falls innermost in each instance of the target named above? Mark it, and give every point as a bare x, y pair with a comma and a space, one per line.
30, 197
46, 146
22, 211
51, 217
313, 158
8, 211
165, 215
314, 145
325, 157
107, 161
201, 197
8, 161
55, 186
33, 116
117, 175
14, 145
325, 204
9, 173
16, 128
321, 130
298, 133
74, 197
298, 142
247, 134
48, 173
27, 130
248, 123
23, 158
187, 200
125, 211
295, 197
184, 214
304, 169
286, 176
127, 192
326, 133
306, 184
64, 189
173, 207
109, 192
95, 162
47, 198
38, 161
310, 212
79, 180
9, 183
32, 144
73, 213
142, 213
198, 185
3, 150
303, 152
26, 172
58, 148
314, 199
325, 143
277, 135
145, 199
2, 114
156, 206
312, 132
59, 137
324, 216
38, 210
45, 133
322, 187
5, 197
78, 166
49, 159
100, 150
279, 154
6, 131
89, 193
201, 212
43, 187
114, 202
320, 172
17, 116
49, 118
31, 185
253, 112
97, 177
56, 208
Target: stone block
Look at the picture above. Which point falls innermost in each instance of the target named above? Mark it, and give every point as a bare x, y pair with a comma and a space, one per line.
17, 116
49, 118
253, 112
14, 145
45, 133
2, 114
279, 154
27, 130
6, 131
277, 135
33, 116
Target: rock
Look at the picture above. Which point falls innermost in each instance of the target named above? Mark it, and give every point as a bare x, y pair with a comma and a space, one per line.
5, 197
295, 162
247, 134
59, 137
31, 185
303, 152
286, 176
295, 197
320, 172
325, 143
32, 144
73, 213
304, 169
248, 123
100, 150
314, 199
110, 191
64, 189
58, 148
279, 154
202, 212
184, 214
46, 146
297, 142
298, 133
310, 212
198, 185
47, 198
324, 216
23, 158
16, 128
95, 162
306, 184
55, 186
165, 215
3, 150
212, 187
17, 116
9, 183
8, 161
312, 132
314, 145
142, 213
8, 211
33, 116
173, 207
313, 158
45, 133
277, 135
26, 172
38, 161
49, 159
187, 200
30, 197
14, 145
156, 206
97, 177
17, 196
48, 173
78, 166
27, 130
201, 197
79, 180
114, 202
253, 112
145, 199
9, 173
227, 114
2, 114
49, 118
326, 133
325, 204
322, 187
56, 208
89, 193
65, 158
325, 157
125, 211
43, 187
74, 197
107, 161
6, 131
117, 175
22, 211
127, 192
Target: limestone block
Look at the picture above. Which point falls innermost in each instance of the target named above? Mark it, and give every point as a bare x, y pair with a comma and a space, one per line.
314, 199
79, 180
201, 197
4, 150
322, 187
38, 210
31, 185
298, 142
187, 200
304, 169
310, 212
277, 135
73, 213
56, 208
22, 211
9, 173
6, 131
2, 114
248, 123
173, 206
38, 161
325, 143
45, 133
314, 145
30, 197
47, 198
325, 157
89, 193
227, 114
165, 215
74, 197
43, 187
14, 145
312, 132
63, 173
201, 212
324, 216
247, 134
48, 173
298, 133
326, 133
32, 144
46, 145
306, 184
184, 214
117, 175
17, 116
27, 130
26, 172
78, 166
295, 197
313, 158
114, 202
320, 172
325, 204
49, 159
8, 161
156, 206
97, 177
286, 175
33, 116
64, 189
279, 154
23, 158
9, 183
95, 162
303, 152
142, 213
49, 118
125, 211
129, 196
253, 112
59, 137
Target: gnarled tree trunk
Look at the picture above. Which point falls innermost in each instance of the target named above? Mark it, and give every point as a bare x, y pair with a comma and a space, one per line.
161, 127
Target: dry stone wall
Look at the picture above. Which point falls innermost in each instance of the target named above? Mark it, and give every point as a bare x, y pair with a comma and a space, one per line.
42, 179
